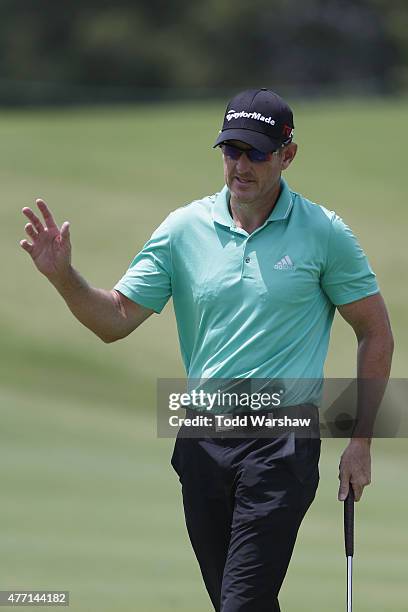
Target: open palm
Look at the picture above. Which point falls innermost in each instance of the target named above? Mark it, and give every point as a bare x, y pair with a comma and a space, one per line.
50, 246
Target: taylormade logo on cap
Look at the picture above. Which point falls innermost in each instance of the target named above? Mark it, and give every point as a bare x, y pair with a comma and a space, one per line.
232, 114
258, 117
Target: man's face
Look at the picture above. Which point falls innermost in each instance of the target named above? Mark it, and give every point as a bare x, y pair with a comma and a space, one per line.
251, 182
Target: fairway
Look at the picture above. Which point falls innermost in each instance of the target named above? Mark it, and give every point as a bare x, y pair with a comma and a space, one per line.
90, 503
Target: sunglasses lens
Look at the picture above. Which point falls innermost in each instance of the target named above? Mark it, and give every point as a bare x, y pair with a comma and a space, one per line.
257, 156
253, 154
230, 151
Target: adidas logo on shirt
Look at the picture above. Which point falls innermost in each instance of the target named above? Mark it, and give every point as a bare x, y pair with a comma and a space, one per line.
284, 264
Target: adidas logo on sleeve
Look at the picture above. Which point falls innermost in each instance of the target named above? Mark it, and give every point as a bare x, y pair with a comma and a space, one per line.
284, 264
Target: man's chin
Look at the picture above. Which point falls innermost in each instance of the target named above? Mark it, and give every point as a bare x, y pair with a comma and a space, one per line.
243, 192
243, 196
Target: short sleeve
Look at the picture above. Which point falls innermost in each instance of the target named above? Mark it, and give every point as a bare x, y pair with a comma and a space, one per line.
347, 275
148, 278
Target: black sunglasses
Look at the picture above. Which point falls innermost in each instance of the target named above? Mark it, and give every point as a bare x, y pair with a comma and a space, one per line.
254, 155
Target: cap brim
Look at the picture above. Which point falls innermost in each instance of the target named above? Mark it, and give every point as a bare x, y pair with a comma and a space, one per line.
255, 139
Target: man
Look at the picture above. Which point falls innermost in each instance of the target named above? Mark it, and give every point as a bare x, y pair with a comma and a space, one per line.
256, 273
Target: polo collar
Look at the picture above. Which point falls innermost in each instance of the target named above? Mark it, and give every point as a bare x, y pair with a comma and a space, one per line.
280, 212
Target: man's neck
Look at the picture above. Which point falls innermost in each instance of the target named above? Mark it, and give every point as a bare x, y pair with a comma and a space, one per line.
249, 216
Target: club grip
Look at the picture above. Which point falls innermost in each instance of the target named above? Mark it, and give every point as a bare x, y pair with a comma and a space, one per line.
349, 523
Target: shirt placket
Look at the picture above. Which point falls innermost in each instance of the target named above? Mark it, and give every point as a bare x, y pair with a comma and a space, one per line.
249, 264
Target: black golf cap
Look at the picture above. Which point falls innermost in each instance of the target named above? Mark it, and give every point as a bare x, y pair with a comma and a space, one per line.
258, 117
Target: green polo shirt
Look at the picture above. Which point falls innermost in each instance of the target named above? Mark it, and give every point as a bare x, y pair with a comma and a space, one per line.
257, 305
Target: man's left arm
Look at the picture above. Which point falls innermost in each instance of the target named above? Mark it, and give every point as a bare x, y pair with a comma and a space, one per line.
369, 319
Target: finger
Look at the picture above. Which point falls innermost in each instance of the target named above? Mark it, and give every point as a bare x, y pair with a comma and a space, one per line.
31, 231
33, 218
343, 488
358, 491
26, 245
46, 213
65, 231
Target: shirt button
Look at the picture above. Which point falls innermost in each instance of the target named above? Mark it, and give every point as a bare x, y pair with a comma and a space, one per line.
247, 259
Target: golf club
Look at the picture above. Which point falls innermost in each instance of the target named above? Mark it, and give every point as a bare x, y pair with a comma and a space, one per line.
349, 544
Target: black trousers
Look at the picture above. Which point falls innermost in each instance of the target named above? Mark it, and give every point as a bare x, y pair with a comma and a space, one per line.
244, 500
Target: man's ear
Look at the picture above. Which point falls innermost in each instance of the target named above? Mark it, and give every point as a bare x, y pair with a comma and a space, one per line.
288, 154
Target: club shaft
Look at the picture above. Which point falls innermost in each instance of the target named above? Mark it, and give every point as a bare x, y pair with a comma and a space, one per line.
349, 584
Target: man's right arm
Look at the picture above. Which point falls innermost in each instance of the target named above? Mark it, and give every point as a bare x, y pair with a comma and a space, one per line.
109, 314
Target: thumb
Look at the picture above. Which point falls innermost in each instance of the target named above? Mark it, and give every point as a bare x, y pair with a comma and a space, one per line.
65, 232
344, 488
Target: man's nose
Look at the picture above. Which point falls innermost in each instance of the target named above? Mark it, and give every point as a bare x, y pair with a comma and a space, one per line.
243, 163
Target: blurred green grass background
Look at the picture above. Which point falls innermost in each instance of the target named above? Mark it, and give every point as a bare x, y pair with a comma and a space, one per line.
89, 500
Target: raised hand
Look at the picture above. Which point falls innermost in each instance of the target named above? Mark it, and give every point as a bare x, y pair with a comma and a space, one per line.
50, 247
